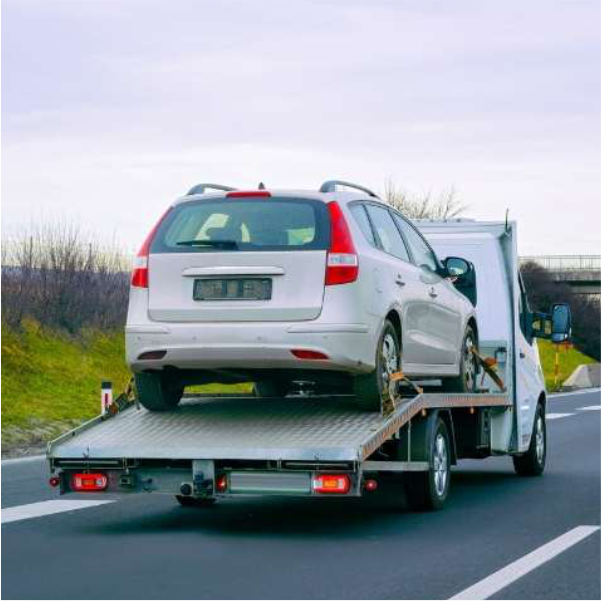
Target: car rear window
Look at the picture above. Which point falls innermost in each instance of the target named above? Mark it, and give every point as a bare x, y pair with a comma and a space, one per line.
239, 224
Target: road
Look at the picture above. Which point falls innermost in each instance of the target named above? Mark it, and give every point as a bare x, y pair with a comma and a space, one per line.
148, 547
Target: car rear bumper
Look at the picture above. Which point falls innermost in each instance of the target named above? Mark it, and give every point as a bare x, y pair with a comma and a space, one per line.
265, 345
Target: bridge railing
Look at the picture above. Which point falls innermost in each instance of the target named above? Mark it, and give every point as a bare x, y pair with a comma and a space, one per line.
565, 263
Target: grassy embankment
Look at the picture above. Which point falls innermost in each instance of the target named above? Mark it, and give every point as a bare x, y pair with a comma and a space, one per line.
51, 383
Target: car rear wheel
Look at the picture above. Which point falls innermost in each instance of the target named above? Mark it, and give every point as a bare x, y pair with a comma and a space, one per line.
466, 381
370, 388
271, 388
158, 391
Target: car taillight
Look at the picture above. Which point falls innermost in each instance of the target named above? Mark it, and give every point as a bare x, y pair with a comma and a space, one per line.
342, 261
331, 483
305, 354
139, 276
89, 482
221, 483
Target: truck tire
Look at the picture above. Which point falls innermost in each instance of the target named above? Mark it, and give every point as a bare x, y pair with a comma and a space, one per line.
532, 462
271, 388
466, 381
194, 501
427, 491
158, 392
370, 388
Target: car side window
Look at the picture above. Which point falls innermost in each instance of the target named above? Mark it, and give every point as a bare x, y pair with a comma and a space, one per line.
387, 232
422, 253
358, 211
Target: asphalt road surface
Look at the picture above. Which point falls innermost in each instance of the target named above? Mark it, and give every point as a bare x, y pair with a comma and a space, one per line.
500, 536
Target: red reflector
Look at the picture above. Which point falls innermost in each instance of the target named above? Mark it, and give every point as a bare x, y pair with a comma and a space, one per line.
371, 485
342, 262
304, 354
89, 482
148, 355
221, 483
54, 481
249, 194
331, 483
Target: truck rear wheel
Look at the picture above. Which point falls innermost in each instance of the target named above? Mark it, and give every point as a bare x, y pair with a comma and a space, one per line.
194, 501
157, 391
532, 462
427, 491
466, 381
370, 388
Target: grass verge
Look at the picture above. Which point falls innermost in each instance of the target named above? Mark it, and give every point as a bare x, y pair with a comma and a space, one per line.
569, 360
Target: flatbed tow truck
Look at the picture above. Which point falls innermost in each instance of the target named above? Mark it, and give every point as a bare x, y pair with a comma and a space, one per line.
211, 448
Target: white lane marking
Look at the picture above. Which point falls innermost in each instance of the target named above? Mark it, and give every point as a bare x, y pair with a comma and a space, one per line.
23, 459
556, 395
590, 408
509, 574
35, 510
557, 415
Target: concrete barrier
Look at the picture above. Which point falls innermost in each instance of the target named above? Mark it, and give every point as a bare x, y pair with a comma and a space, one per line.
584, 376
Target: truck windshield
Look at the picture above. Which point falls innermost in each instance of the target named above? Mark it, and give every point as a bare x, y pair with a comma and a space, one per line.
244, 225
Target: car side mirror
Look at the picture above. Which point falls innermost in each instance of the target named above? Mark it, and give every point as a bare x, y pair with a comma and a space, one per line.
462, 274
457, 267
561, 322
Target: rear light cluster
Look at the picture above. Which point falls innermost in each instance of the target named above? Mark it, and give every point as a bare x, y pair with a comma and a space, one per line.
342, 262
305, 354
331, 483
89, 482
139, 276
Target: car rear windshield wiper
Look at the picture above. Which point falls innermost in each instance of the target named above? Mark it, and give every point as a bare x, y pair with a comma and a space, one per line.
213, 243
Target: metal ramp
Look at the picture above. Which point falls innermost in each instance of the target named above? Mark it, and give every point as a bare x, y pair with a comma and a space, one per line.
292, 428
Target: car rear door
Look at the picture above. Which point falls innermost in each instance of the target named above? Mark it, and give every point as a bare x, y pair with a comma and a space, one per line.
445, 318
239, 259
402, 284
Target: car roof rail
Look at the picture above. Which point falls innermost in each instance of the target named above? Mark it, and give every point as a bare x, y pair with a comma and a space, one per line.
201, 188
331, 185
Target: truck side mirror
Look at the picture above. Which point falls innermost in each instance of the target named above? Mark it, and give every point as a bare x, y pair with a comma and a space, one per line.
561, 322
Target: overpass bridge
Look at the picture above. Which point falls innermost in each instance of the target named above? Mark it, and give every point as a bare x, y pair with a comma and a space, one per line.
581, 272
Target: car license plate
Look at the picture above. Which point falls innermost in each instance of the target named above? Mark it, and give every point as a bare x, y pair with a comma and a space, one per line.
213, 289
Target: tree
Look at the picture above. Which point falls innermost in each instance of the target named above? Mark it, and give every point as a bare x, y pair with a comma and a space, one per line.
446, 206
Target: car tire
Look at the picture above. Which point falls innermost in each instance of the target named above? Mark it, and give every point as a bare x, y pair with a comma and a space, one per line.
271, 388
466, 381
158, 392
194, 501
370, 388
428, 491
532, 462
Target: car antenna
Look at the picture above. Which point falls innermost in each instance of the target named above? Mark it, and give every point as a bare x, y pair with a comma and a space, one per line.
506, 221
261, 186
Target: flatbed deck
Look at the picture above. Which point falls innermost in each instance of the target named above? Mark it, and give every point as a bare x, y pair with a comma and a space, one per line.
319, 429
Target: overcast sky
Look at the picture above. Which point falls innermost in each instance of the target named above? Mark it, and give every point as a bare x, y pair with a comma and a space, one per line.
111, 109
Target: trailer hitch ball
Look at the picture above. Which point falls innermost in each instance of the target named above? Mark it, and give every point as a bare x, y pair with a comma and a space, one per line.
185, 489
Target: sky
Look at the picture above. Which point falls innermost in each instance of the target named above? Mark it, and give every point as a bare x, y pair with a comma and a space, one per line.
111, 109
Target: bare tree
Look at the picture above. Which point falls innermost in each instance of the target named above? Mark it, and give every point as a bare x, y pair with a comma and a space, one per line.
444, 206
63, 278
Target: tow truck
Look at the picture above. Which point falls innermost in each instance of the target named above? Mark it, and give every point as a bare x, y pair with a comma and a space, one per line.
214, 447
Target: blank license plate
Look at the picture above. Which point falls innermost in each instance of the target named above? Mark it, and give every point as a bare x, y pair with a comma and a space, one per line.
232, 289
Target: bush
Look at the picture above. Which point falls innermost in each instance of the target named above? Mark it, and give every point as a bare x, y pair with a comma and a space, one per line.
51, 275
